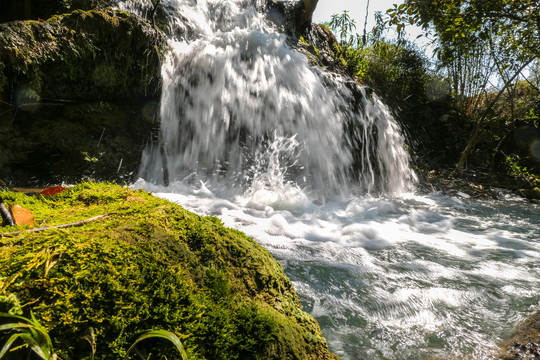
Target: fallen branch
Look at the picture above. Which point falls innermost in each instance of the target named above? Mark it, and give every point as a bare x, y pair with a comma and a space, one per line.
76, 223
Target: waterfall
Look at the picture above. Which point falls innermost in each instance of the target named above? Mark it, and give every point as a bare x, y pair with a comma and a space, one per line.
242, 110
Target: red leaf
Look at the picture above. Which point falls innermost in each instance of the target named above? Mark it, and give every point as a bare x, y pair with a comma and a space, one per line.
53, 190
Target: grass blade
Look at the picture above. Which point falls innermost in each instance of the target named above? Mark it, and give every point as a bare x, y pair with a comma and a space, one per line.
13, 326
161, 334
8, 344
32, 333
35, 346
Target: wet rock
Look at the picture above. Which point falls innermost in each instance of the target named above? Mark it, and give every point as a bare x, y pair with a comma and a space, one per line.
531, 193
524, 343
79, 95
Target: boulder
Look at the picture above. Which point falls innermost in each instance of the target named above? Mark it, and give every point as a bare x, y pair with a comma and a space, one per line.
150, 265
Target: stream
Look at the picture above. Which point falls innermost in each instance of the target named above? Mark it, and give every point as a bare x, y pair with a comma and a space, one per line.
396, 278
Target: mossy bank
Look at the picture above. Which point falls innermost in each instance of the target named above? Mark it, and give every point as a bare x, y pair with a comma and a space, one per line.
150, 264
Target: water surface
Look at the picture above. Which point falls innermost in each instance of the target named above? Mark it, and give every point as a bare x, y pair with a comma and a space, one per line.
396, 278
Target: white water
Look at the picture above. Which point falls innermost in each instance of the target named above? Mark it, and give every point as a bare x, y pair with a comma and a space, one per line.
254, 135
238, 102
394, 278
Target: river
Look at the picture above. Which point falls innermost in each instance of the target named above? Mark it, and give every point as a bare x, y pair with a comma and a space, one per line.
396, 278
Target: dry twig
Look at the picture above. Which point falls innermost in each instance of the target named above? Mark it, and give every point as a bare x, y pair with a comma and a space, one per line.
76, 223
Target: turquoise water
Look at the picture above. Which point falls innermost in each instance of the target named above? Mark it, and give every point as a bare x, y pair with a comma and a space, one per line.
437, 276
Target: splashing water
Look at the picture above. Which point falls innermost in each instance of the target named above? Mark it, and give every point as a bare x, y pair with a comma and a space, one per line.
232, 87
274, 147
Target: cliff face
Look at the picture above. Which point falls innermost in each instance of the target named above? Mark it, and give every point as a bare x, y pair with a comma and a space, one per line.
78, 95
150, 265
80, 85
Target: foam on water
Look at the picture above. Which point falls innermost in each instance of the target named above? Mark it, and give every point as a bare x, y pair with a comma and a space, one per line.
397, 278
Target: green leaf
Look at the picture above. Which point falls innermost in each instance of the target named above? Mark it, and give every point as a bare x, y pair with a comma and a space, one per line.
32, 333
160, 334
35, 346
8, 344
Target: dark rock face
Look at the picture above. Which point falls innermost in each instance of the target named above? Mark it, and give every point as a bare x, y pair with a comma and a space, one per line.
78, 95
105, 55
291, 15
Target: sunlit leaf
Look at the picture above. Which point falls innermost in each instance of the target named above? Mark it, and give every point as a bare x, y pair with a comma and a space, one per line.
167, 335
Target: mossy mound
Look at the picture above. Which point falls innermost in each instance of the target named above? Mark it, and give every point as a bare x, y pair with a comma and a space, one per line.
150, 265
43, 9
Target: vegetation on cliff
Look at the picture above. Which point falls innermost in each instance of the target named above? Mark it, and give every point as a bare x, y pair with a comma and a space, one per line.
150, 264
466, 116
78, 95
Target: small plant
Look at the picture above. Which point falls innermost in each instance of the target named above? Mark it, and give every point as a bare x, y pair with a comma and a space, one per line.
32, 333
512, 161
149, 334
36, 337
345, 25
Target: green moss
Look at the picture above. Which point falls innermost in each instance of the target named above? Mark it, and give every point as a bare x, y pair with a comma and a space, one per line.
92, 54
151, 264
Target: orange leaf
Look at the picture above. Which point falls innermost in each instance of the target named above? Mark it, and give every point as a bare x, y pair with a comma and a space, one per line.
53, 190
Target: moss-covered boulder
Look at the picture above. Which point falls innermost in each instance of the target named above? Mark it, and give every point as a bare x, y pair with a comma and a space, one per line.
150, 264
78, 96
524, 343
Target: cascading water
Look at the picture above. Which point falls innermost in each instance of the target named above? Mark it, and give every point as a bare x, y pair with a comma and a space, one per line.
274, 147
232, 87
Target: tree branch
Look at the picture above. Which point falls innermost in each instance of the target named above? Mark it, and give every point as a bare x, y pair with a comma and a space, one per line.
474, 136
76, 223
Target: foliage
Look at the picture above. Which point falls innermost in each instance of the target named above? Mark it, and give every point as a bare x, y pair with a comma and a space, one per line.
32, 333
152, 265
477, 41
514, 24
513, 162
345, 25
167, 335
484, 47
37, 338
